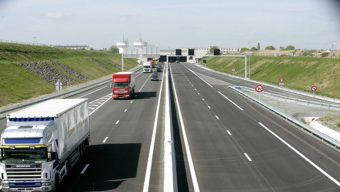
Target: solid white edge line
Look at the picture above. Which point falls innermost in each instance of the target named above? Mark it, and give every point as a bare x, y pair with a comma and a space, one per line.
117, 122
301, 155
84, 169
105, 139
229, 132
93, 91
152, 144
249, 159
170, 176
186, 143
100, 105
230, 101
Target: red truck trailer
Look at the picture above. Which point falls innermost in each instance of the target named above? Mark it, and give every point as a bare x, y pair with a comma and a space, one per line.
123, 85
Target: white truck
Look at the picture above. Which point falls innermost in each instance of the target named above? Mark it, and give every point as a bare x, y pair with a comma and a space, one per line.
41, 144
147, 67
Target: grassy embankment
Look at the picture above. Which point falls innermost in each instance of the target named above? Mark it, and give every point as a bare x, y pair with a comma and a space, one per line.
298, 72
17, 84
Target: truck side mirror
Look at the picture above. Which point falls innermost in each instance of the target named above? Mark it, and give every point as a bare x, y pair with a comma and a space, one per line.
53, 155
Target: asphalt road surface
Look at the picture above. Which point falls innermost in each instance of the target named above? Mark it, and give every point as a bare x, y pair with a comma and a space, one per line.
238, 146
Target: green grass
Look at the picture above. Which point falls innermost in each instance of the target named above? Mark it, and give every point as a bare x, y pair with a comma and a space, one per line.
298, 72
18, 84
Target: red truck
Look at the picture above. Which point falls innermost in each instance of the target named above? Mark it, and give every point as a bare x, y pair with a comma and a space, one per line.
123, 85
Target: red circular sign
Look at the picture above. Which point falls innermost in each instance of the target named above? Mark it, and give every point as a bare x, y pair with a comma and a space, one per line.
259, 88
314, 88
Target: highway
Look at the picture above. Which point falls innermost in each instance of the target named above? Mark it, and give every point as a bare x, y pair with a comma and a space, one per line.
223, 141
238, 146
120, 139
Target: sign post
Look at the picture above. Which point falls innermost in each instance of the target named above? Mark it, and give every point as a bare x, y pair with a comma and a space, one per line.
58, 85
281, 82
313, 88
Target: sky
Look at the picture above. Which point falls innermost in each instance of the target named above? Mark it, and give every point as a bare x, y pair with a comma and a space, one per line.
306, 24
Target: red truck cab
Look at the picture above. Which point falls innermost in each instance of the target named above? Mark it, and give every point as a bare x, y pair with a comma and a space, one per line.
123, 85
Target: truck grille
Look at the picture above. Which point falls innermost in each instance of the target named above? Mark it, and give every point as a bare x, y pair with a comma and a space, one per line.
23, 172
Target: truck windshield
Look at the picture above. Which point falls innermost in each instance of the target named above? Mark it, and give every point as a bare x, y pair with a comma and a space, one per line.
120, 85
24, 155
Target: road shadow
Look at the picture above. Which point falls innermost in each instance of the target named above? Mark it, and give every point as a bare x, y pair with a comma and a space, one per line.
108, 166
145, 95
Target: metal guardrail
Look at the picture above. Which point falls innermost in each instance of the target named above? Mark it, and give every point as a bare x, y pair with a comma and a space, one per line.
4, 111
297, 100
275, 86
327, 138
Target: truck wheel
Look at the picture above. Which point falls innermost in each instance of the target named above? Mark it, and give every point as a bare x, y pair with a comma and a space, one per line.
56, 183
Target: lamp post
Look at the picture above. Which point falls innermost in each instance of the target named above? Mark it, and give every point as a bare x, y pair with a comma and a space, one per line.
121, 46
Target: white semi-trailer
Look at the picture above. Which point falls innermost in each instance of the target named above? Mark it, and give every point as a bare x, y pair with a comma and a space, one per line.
41, 144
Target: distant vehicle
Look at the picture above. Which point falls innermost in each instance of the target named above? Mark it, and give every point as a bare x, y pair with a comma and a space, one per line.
147, 67
42, 143
154, 76
159, 68
123, 85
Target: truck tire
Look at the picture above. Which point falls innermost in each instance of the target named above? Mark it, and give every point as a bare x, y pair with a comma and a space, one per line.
56, 182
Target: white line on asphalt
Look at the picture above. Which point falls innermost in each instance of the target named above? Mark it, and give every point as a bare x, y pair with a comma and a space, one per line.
92, 92
245, 154
217, 117
200, 78
100, 105
105, 139
198, 93
203, 99
209, 107
186, 143
195, 89
152, 144
131, 102
301, 155
125, 110
83, 171
147, 80
230, 101
117, 122
229, 132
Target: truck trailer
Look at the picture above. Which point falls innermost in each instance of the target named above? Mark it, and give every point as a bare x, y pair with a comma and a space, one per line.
123, 85
42, 143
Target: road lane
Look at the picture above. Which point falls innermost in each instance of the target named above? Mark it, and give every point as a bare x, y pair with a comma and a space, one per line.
119, 163
273, 166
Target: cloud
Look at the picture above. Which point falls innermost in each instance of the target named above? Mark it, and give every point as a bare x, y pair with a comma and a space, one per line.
56, 15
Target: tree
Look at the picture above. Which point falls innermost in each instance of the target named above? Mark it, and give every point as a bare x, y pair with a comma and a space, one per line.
290, 47
212, 48
244, 49
270, 47
281, 48
113, 49
258, 46
253, 49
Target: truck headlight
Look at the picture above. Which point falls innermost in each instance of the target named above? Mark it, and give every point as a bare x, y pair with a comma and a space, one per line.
46, 184
5, 185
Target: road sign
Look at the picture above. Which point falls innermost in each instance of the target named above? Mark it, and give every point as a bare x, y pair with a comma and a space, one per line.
259, 88
281, 82
313, 88
58, 85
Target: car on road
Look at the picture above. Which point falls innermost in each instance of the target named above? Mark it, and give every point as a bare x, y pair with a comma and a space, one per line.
159, 68
154, 76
